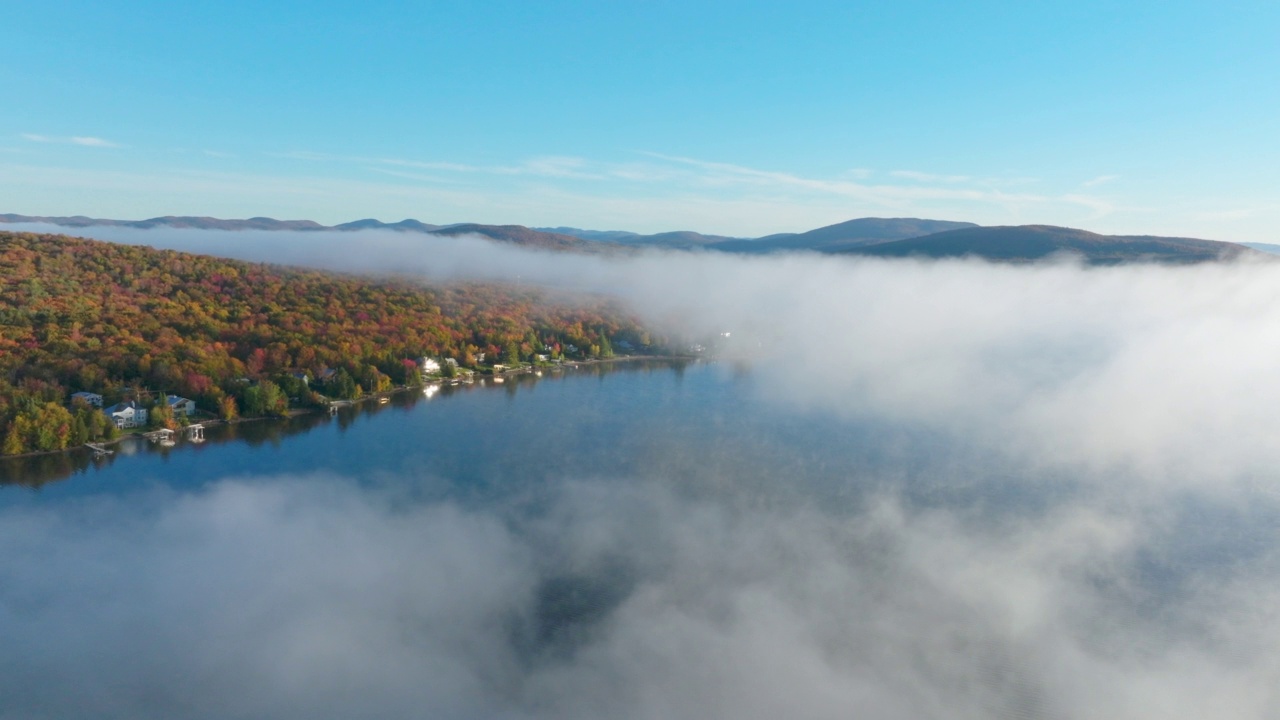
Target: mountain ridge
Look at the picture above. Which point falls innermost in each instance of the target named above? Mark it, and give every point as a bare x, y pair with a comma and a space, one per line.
1031, 243
871, 237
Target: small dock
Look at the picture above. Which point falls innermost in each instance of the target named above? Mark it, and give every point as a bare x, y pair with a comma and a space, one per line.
99, 449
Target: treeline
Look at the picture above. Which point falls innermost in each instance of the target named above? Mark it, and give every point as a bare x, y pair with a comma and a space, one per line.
132, 322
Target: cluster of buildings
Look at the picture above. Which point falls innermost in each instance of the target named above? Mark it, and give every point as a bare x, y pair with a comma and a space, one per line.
131, 413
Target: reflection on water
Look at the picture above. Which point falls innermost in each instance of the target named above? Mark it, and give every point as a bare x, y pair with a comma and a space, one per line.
37, 470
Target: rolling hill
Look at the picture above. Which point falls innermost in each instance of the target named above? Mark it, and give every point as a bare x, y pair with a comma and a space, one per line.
843, 236
1029, 243
512, 234
872, 237
527, 237
676, 240
170, 221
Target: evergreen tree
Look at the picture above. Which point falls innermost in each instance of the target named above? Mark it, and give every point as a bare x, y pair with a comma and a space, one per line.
253, 401
79, 431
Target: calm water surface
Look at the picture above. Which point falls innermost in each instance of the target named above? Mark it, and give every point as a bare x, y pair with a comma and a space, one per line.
694, 422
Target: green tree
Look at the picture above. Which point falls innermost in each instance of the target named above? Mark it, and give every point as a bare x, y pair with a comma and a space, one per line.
13, 440
79, 431
274, 401
161, 416
254, 404
342, 386
227, 409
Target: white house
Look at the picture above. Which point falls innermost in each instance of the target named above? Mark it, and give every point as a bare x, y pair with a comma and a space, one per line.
93, 399
181, 406
429, 365
127, 414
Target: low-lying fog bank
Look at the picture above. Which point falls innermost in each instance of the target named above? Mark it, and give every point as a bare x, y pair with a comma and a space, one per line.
1154, 389
312, 597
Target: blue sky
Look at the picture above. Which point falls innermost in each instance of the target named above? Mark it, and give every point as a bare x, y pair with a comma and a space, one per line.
739, 118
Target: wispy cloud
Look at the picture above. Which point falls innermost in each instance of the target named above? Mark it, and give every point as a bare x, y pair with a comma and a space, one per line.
1238, 213
551, 166
929, 177
92, 142
419, 177
1099, 206
81, 140
880, 195
1100, 180
425, 165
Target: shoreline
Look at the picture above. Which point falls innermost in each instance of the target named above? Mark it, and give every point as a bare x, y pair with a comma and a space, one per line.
300, 412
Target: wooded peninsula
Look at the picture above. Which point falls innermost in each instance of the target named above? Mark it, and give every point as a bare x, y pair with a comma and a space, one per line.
132, 323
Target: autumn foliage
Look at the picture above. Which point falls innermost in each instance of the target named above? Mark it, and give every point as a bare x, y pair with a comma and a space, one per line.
135, 322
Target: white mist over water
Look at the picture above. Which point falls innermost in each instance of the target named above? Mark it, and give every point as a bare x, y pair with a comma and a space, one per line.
311, 597
1170, 374
1155, 389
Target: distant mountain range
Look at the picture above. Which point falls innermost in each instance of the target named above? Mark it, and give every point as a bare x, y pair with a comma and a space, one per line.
875, 237
1028, 243
845, 236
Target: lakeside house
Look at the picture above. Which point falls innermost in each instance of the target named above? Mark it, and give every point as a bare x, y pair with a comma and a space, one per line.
93, 399
428, 365
181, 405
128, 414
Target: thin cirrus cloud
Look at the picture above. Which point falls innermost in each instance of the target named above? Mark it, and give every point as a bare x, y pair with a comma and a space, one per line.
697, 177
81, 140
897, 197
550, 166
1100, 180
545, 166
929, 177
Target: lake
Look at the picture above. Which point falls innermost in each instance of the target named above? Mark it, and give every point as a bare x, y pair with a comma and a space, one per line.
636, 539
641, 419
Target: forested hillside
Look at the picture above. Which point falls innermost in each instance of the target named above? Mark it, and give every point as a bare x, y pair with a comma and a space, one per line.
134, 322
